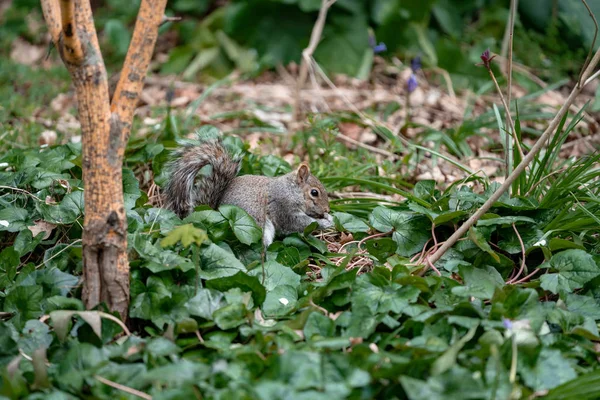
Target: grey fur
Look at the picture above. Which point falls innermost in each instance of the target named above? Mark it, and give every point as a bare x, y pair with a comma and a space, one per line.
285, 201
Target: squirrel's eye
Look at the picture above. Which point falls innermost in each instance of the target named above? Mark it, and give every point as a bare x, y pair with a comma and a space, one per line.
314, 193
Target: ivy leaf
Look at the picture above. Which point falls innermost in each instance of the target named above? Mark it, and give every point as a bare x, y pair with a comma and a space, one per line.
350, 223
186, 235
318, 324
217, 262
410, 231
243, 225
550, 370
280, 301
66, 212
242, 281
231, 316
25, 302
205, 303
14, 219
35, 335
574, 269
479, 282
276, 275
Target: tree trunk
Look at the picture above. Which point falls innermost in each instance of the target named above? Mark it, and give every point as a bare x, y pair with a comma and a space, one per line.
105, 131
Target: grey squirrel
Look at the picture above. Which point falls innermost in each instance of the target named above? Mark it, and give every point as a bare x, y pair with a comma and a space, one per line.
205, 173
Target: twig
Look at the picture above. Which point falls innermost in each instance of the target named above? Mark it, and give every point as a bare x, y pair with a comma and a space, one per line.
509, 148
307, 54
21, 191
513, 279
524, 163
510, 131
123, 388
166, 19
587, 59
58, 253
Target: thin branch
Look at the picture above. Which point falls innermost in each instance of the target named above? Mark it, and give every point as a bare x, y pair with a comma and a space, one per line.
51, 11
139, 54
123, 388
510, 131
21, 191
166, 19
460, 232
73, 51
523, 256
587, 59
307, 54
509, 148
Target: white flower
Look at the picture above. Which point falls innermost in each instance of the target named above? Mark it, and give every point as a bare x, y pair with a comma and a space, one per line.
4, 223
540, 243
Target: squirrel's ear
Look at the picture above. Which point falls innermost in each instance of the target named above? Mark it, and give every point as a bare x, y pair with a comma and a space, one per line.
302, 173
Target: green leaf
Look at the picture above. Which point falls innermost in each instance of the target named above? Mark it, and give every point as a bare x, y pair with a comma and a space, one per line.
64, 213
25, 302
276, 275
231, 316
448, 359
477, 237
205, 303
410, 231
350, 223
241, 280
550, 370
345, 41
217, 262
34, 335
479, 282
319, 325
584, 387
14, 219
280, 301
9, 261
243, 225
186, 235
8, 342
574, 269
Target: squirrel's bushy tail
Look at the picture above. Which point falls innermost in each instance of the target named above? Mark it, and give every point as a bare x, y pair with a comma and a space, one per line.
188, 186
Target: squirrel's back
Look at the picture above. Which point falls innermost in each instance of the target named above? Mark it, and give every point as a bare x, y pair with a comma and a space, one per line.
200, 174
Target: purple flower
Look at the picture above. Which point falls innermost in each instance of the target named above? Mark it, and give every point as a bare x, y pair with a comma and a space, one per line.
377, 48
412, 83
380, 48
487, 58
415, 64
507, 323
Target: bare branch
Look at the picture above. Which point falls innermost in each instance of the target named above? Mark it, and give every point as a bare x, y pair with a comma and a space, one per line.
307, 54
51, 11
71, 44
131, 81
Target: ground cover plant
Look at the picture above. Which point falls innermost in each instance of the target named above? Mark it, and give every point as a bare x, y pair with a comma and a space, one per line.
361, 311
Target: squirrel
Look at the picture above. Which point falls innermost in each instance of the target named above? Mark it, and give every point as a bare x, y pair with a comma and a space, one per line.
206, 173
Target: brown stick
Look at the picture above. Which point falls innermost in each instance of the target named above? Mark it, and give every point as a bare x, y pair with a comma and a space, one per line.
307, 54
104, 136
524, 163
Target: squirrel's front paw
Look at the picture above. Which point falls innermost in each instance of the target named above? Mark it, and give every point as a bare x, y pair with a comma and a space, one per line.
326, 222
